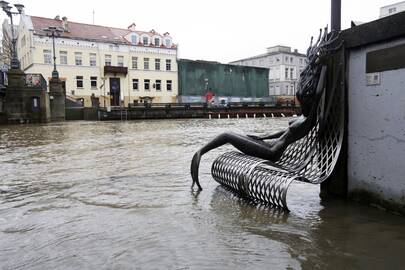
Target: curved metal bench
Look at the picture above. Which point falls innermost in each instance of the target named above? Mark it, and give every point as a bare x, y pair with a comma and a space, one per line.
310, 159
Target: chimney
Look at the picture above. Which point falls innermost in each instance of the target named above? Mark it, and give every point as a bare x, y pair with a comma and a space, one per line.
65, 24
295, 50
336, 8
57, 17
132, 27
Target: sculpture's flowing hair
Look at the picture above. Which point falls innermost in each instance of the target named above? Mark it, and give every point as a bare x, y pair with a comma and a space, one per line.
317, 54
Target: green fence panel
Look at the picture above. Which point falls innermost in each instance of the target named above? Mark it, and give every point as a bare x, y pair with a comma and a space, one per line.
196, 77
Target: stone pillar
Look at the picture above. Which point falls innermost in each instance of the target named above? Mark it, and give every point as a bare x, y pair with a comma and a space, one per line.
25, 102
57, 100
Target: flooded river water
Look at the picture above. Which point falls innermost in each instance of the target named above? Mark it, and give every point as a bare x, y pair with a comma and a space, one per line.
116, 195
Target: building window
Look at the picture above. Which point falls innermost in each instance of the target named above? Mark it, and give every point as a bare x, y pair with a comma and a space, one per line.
291, 60
47, 57
169, 85
286, 90
292, 89
157, 41
168, 64
79, 81
93, 82
158, 85
145, 41
301, 61
146, 83
277, 90
133, 39
23, 42
78, 59
157, 64
392, 10
135, 84
291, 73
277, 59
168, 43
93, 61
286, 59
120, 61
107, 60
286, 73
146, 63
134, 62
271, 90
63, 57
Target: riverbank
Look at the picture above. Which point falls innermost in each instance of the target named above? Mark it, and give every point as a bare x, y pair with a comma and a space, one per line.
180, 111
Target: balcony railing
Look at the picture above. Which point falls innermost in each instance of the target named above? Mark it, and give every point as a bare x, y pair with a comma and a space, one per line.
115, 70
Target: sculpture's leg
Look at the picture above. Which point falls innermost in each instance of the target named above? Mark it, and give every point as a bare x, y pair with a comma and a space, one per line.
245, 144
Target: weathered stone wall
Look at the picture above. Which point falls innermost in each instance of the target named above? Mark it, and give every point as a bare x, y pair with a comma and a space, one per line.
25, 104
57, 100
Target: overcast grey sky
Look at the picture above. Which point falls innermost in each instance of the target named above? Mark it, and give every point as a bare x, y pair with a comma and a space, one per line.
220, 30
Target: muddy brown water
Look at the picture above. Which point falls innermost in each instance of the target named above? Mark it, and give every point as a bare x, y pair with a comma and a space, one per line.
116, 195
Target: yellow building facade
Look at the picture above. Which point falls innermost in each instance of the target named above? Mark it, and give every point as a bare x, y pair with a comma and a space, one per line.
111, 65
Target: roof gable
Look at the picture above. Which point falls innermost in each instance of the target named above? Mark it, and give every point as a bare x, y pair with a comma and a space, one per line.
87, 31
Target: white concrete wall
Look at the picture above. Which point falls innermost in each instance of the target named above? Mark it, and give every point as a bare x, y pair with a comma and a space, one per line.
376, 129
392, 9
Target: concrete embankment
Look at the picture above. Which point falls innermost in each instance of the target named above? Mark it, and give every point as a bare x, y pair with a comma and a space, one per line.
177, 111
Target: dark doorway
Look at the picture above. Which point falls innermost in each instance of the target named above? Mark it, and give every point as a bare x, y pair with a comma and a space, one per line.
115, 90
64, 87
35, 104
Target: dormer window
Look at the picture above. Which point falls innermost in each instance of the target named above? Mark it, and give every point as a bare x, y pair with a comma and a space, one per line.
133, 39
157, 42
145, 41
168, 43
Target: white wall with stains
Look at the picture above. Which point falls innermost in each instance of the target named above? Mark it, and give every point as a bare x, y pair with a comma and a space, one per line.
376, 129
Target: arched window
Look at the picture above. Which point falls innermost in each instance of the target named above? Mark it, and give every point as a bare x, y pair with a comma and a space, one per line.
134, 39
168, 42
157, 41
145, 40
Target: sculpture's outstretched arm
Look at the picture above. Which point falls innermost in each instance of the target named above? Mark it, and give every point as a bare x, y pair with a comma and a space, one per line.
245, 144
275, 135
268, 136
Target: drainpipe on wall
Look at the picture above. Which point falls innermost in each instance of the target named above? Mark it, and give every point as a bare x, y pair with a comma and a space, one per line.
336, 8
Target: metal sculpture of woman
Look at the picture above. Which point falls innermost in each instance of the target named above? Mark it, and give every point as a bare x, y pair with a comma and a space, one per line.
310, 89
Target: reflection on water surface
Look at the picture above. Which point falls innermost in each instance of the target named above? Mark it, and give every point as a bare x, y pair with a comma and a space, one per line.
116, 195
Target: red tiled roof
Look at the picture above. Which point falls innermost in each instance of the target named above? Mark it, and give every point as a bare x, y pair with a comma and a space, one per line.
86, 31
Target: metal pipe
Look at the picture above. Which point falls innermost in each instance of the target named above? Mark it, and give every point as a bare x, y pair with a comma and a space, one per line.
15, 63
55, 73
336, 9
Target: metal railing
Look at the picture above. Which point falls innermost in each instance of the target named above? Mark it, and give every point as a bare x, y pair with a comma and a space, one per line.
204, 105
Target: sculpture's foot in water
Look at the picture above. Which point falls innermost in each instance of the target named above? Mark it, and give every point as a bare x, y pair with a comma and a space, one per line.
195, 163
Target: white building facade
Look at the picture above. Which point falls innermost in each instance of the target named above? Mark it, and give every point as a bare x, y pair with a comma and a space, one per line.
117, 66
284, 66
392, 9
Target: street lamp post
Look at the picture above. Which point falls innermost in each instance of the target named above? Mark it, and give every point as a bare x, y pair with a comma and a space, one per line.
53, 32
15, 64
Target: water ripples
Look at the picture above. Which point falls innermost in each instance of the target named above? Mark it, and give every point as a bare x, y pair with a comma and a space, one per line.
116, 195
